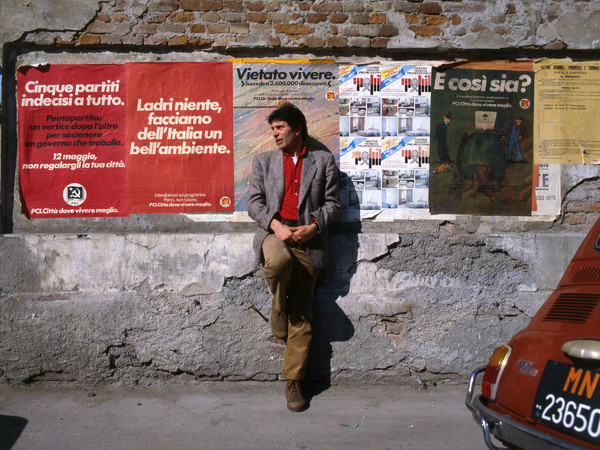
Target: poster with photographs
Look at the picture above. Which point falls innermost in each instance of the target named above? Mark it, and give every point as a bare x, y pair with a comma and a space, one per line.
384, 138
405, 177
258, 89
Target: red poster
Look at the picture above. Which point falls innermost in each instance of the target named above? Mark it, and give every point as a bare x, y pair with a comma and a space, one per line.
72, 151
180, 137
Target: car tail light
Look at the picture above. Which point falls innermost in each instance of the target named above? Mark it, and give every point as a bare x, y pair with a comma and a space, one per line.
493, 372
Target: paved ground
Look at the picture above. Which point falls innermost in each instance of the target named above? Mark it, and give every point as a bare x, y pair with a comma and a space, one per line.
247, 415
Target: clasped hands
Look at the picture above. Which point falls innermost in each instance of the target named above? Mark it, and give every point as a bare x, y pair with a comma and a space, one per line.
293, 235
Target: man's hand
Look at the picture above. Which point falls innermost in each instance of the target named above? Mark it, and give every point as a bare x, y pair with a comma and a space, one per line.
304, 233
282, 232
293, 235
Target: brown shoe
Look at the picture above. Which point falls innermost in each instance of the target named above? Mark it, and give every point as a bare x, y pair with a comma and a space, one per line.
279, 324
294, 397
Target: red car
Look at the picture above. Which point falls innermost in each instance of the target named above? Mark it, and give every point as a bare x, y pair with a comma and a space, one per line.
542, 389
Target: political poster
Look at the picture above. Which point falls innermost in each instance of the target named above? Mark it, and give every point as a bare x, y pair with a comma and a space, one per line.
547, 200
109, 140
567, 102
482, 141
72, 160
384, 139
259, 87
180, 137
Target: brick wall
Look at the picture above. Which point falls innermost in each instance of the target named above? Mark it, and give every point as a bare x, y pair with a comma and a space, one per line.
219, 24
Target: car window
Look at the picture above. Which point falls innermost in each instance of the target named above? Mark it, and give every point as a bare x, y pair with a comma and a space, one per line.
597, 243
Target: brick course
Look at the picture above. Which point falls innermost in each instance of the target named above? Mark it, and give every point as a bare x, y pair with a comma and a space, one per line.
201, 5
182, 16
220, 23
430, 8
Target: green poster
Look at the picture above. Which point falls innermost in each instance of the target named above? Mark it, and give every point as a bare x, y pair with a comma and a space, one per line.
481, 142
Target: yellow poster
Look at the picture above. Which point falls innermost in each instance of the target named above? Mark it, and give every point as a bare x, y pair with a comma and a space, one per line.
567, 102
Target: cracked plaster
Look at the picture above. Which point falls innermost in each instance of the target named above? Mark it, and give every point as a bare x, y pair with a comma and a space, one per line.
20, 17
152, 307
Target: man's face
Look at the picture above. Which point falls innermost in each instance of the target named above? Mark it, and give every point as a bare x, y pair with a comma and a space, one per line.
286, 139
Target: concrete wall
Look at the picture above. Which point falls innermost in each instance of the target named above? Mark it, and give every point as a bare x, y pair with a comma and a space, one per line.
146, 307
163, 298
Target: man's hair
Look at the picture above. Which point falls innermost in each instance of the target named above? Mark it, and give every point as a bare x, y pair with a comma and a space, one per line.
292, 115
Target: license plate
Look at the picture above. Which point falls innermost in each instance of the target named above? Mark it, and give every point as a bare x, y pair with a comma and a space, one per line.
568, 399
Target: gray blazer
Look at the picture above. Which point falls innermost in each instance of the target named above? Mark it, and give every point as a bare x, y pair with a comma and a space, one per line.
319, 198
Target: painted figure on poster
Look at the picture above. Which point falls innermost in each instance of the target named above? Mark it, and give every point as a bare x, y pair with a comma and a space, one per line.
482, 167
514, 134
441, 135
294, 198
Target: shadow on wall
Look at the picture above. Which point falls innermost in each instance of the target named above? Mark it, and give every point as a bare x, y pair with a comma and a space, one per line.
20, 269
330, 323
11, 428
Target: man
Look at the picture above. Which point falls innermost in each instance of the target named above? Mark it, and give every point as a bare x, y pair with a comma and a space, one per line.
365, 159
414, 85
414, 158
514, 134
294, 198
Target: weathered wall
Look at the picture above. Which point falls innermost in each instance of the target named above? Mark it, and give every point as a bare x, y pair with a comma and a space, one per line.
145, 307
152, 299
307, 25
